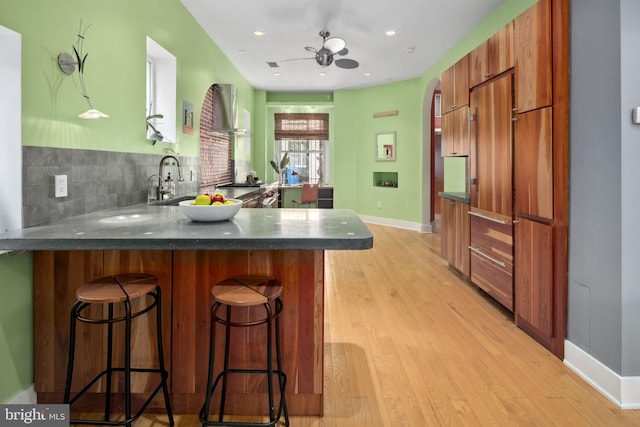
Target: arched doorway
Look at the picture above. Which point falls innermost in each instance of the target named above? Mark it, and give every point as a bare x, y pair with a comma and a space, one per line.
431, 160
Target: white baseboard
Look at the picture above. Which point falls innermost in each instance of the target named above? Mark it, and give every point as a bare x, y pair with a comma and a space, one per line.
25, 397
623, 391
397, 223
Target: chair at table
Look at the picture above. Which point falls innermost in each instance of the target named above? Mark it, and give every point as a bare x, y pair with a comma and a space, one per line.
309, 196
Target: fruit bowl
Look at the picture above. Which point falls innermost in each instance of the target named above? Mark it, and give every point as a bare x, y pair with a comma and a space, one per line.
210, 213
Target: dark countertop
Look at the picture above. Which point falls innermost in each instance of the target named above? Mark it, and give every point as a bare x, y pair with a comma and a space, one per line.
458, 197
165, 227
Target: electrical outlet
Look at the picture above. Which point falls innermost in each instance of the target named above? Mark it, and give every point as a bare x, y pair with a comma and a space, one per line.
379, 205
61, 185
193, 175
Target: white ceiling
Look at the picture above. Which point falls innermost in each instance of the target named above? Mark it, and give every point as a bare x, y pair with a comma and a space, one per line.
430, 27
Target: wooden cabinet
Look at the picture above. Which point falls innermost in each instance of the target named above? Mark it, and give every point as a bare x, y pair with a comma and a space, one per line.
533, 164
533, 57
455, 132
491, 146
492, 57
534, 278
454, 222
455, 86
491, 249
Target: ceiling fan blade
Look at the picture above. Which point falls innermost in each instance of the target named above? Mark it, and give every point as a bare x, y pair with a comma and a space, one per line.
348, 64
335, 44
343, 52
311, 49
296, 59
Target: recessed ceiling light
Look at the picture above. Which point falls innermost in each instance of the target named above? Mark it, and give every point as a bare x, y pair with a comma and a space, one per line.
390, 33
242, 50
366, 74
258, 33
323, 74
409, 50
276, 74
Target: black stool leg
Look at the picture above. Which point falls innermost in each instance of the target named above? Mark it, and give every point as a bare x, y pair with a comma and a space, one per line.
282, 379
270, 363
109, 370
127, 361
225, 371
163, 371
204, 412
72, 351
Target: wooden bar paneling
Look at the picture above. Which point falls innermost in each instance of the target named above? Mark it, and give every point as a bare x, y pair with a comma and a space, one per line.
186, 278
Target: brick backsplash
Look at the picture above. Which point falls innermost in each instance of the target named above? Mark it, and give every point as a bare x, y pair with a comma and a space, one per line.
96, 180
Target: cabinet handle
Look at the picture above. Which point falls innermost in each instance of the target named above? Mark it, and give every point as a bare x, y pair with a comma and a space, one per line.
514, 119
486, 76
453, 107
488, 218
493, 260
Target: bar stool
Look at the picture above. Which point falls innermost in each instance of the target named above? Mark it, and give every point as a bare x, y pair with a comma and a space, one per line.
119, 289
246, 291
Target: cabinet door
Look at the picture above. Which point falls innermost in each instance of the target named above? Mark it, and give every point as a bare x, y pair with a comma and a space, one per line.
455, 132
461, 94
447, 85
455, 85
533, 164
454, 238
446, 228
491, 156
492, 57
461, 238
533, 57
534, 276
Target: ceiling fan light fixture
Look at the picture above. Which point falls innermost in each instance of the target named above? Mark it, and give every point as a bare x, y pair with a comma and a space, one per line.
335, 44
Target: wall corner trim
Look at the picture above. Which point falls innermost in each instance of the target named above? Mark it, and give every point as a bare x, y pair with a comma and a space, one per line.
623, 391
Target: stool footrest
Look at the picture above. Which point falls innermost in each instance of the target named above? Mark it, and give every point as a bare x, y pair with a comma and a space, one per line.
164, 374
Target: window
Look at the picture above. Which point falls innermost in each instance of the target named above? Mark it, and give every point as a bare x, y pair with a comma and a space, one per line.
161, 89
305, 137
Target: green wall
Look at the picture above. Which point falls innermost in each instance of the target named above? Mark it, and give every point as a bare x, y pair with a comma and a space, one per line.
16, 325
115, 81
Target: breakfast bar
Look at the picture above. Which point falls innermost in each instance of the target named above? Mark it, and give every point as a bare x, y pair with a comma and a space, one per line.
188, 258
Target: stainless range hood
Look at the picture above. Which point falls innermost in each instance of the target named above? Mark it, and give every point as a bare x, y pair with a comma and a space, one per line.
225, 113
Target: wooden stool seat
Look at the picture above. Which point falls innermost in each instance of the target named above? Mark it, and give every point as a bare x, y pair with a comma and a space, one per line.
106, 290
247, 291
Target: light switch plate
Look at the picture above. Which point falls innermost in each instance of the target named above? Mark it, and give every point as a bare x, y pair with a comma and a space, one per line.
61, 185
636, 115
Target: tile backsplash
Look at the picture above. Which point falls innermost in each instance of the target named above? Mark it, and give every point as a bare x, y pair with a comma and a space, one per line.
96, 180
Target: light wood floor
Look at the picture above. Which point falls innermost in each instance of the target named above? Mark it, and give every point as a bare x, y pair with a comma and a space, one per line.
410, 344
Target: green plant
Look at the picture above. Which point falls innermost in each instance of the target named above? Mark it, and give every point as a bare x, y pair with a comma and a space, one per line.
156, 135
284, 162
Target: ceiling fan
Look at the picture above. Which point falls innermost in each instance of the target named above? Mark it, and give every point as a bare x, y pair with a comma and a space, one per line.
324, 56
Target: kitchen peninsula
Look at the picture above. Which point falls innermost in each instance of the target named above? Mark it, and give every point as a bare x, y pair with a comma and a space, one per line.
188, 258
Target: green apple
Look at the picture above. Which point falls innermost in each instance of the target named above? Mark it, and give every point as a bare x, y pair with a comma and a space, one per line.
202, 199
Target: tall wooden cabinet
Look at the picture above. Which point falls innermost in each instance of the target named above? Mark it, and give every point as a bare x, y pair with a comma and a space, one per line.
519, 167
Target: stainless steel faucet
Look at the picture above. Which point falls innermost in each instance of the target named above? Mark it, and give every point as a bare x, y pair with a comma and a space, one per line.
165, 191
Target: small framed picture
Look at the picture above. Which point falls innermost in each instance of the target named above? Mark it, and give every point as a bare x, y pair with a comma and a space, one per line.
187, 117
